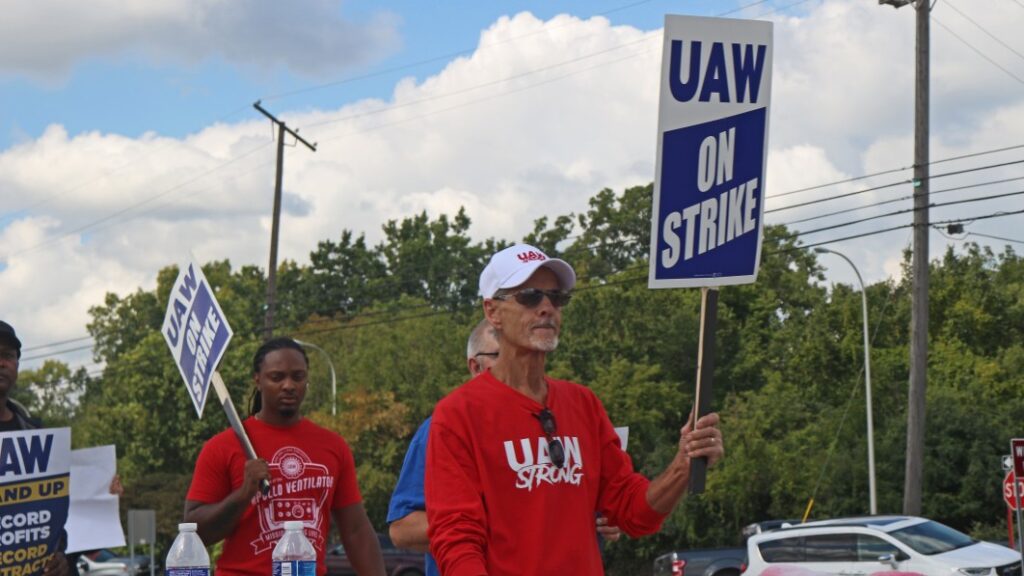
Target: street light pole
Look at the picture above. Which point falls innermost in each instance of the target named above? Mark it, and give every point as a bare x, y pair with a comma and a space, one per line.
334, 378
867, 380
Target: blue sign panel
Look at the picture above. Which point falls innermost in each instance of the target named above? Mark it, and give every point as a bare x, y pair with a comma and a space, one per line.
712, 148
35, 484
196, 331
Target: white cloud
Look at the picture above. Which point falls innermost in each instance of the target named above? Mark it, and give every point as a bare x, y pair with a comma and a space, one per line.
533, 123
45, 38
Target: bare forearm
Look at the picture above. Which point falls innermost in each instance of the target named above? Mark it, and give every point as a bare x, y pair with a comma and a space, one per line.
665, 491
360, 540
410, 532
703, 441
214, 522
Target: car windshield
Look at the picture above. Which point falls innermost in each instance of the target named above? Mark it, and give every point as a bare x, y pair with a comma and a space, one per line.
104, 555
932, 538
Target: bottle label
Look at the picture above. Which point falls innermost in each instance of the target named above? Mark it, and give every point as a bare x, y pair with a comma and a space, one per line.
294, 567
192, 571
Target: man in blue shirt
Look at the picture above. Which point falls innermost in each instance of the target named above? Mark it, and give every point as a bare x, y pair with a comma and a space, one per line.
407, 513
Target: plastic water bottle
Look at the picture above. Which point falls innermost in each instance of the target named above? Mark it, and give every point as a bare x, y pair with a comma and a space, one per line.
187, 556
294, 555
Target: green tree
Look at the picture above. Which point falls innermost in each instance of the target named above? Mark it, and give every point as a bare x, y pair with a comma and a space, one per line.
343, 277
434, 260
51, 391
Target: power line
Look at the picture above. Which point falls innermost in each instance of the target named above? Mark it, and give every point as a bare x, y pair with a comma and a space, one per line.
479, 48
446, 56
890, 229
796, 234
884, 202
52, 344
783, 8
891, 184
846, 181
983, 29
474, 87
977, 51
894, 170
905, 211
741, 8
641, 266
57, 353
839, 197
108, 217
503, 94
95, 223
995, 237
47, 199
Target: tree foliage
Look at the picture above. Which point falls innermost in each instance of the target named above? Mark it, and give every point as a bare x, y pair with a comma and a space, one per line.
789, 369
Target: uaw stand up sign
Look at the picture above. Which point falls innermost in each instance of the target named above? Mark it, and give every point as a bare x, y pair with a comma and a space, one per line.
709, 186
35, 477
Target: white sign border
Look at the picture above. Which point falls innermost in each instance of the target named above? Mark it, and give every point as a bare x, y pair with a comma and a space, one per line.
708, 281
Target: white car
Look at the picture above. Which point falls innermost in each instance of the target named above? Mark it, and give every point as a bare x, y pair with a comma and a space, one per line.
876, 544
106, 563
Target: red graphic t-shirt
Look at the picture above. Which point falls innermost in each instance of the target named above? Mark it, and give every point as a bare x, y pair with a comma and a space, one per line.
312, 472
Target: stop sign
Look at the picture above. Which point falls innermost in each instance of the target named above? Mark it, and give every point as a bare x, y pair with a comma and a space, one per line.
1008, 495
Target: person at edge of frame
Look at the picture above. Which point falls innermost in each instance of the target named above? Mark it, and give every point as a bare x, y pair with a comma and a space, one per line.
13, 417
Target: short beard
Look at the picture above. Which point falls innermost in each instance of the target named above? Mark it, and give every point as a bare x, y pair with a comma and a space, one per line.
287, 412
544, 344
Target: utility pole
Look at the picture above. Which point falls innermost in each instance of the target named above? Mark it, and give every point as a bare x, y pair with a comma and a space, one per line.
282, 129
919, 267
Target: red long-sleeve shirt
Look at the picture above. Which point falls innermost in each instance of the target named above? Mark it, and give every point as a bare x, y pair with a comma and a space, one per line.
496, 504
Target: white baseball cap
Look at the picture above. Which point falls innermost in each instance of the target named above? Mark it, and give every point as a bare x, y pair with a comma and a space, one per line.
515, 264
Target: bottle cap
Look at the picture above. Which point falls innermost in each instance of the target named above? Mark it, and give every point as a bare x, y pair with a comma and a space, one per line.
187, 527
293, 525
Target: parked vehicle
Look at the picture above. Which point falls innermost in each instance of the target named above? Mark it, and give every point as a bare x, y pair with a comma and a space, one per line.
712, 561
106, 563
876, 544
397, 562
701, 562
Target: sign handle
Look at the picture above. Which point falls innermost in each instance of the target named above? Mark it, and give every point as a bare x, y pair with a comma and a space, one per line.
705, 372
236, 423
1020, 526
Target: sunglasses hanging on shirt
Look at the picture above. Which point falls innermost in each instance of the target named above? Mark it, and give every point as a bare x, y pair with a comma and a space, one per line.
555, 449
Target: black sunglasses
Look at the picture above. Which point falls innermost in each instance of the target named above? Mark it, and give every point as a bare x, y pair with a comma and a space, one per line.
531, 297
555, 449
490, 354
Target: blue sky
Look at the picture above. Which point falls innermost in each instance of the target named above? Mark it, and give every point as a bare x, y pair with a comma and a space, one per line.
128, 141
130, 93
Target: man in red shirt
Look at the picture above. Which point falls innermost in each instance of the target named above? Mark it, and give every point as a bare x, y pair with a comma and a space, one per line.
310, 469
517, 462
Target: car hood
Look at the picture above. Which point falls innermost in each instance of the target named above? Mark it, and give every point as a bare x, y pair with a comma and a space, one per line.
978, 555
140, 560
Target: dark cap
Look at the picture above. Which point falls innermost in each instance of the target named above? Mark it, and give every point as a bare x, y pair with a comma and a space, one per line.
8, 336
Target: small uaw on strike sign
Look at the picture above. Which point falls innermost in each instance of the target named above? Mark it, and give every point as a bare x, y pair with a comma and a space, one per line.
709, 186
198, 334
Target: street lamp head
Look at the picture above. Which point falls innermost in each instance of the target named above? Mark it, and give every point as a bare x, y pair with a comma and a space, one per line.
330, 365
821, 250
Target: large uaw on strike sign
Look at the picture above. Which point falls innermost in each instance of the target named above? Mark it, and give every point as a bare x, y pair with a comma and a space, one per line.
35, 474
712, 147
196, 331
